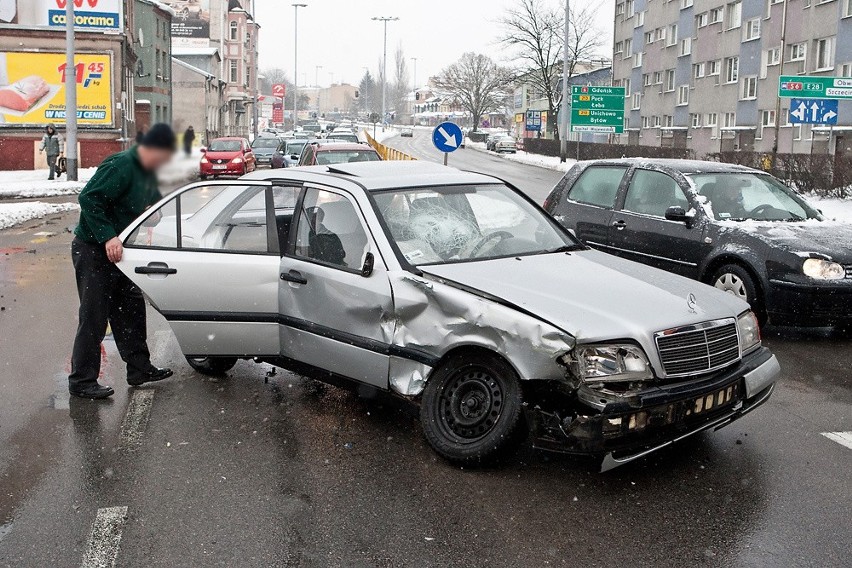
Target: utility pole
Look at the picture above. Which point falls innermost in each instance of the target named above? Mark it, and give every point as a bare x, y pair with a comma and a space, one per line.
563, 113
385, 20
777, 126
316, 75
414, 59
71, 161
296, 64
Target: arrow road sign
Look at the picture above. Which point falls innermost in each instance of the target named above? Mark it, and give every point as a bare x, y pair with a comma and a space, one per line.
447, 137
813, 111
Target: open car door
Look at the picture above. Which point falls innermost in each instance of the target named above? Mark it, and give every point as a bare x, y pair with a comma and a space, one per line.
208, 257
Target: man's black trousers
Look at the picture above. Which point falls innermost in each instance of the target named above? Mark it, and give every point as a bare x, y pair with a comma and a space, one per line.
106, 296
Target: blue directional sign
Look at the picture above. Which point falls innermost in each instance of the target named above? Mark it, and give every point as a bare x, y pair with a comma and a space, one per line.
447, 137
813, 111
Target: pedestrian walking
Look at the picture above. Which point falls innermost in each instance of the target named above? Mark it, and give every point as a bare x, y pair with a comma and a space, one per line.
188, 139
53, 144
124, 185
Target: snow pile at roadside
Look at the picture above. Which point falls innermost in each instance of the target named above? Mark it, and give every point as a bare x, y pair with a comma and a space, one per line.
834, 208
16, 213
34, 183
538, 160
181, 169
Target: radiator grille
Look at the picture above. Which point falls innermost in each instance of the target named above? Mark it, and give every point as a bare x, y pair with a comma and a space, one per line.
693, 351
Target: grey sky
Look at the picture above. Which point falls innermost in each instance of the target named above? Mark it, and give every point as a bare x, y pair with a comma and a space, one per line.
340, 36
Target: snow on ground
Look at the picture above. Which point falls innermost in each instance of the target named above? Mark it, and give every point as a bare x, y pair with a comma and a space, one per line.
16, 213
549, 162
834, 208
380, 136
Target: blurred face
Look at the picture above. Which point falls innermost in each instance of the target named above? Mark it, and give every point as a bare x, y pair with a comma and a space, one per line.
154, 158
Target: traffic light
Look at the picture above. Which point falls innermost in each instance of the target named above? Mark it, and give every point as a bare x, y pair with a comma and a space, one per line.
357, 94
417, 96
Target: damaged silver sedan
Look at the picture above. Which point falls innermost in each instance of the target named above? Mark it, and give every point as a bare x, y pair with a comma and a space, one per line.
454, 290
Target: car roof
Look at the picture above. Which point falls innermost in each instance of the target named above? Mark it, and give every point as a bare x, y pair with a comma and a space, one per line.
343, 147
685, 167
378, 176
228, 138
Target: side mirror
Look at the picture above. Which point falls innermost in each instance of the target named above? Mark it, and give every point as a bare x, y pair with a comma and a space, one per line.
294, 156
678, 214
369, 263
203, 150
247, 151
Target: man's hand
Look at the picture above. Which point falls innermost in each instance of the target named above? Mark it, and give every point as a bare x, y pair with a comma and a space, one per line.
114, 249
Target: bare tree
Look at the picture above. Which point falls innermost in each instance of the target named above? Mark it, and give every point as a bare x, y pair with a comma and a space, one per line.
535, 30
477, 83
401, 86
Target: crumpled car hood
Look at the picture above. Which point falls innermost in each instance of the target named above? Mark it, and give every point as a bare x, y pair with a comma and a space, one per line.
594, 296
830, 238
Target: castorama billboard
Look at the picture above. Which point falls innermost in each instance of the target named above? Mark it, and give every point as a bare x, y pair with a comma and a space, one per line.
88, 14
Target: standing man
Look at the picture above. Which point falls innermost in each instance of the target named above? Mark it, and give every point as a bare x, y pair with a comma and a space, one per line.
54, 145
188, 139
123, 187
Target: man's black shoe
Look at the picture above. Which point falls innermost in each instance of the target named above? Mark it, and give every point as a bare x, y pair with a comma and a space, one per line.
151, 376
94, 392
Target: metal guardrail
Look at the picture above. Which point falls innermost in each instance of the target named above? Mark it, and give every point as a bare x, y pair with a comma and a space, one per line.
386, 152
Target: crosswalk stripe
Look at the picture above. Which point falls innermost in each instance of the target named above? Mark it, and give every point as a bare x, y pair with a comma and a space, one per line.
842, 438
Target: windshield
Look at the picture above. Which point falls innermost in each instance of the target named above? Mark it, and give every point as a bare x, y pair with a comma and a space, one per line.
265, 143
225, 146
747, 196
325, 158
347, 137
466, 223
295, 148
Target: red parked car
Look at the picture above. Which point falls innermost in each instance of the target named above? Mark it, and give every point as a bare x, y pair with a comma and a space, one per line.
230, 156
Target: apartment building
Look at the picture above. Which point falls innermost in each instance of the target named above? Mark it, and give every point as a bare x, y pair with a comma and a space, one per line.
703, 74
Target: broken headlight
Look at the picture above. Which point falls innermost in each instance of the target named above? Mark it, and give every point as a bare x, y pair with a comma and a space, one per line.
607, 363
749, 331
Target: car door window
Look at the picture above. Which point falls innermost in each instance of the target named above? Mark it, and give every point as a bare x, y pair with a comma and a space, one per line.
307, 156
652, 193
330, 231
598, 186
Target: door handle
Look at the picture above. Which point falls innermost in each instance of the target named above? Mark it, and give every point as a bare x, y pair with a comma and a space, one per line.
294, 276
155, 268
620, 224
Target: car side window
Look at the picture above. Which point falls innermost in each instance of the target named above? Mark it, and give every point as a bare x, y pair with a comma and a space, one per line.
330, 231
651, 193
307, 156
598, 186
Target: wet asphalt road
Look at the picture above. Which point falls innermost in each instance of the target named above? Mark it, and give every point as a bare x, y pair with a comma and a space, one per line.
237, 472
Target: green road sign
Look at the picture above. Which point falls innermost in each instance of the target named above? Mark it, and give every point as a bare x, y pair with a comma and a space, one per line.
602, 102
594, 120
595, 90
815, 87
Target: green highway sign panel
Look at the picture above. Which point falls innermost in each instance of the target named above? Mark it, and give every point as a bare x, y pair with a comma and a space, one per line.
815, 87
597, 101
594, 120
595, 90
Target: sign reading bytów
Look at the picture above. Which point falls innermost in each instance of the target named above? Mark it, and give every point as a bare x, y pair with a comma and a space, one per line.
599, 121
88, 14
597, 109
815, 87
34, 91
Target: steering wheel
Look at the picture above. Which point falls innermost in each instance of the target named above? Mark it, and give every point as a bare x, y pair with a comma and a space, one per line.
756, 212
499, 236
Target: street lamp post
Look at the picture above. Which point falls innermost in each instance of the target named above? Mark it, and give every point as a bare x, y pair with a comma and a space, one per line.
385, 20
563, 127
414, 59
296, 64
71, 96
316, 75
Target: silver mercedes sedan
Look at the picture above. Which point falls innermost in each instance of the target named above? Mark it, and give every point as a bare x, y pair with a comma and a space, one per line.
453, 290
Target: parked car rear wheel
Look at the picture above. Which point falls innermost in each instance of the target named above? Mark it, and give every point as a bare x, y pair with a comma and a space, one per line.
471, 409
736, 280
212, 365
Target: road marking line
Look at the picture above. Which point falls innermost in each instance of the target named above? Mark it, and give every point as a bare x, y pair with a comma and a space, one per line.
136, 419
105, 538
842, 438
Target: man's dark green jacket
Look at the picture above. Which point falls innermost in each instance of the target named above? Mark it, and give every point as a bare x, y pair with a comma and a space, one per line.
117, 194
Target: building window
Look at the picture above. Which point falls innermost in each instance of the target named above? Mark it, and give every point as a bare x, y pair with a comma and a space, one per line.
749, 88
668, 121
695, 120
824, 49
703, 19
685, 46
730, 120
683, 95
847, 8
649, 37
712, 119
798, 51
646, 122
714, 67
658, 77
234, 73
619, 47
640, 19
631, 8
619, 9
685, 4
670, 80
672, 37
767, 120
656, 121
628, 48
773, 56
846, 68
698, 70
637, 101
646, 80
735, 15
235, 31
716, 15
732, 69
752, 30
637, 60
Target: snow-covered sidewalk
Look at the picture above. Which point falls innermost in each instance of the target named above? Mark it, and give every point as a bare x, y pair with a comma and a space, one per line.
833, 208
538, 160
15, 213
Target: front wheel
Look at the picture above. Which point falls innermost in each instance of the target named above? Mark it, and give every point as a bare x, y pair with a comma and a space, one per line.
471, 411
212, 365
737, 281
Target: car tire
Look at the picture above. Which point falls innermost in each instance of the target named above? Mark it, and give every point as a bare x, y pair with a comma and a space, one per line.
471, 409
738, 281
202, 177
212, 365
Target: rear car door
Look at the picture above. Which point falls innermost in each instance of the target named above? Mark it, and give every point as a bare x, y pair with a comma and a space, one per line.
333, 312
587, 208
208, 258
641, 232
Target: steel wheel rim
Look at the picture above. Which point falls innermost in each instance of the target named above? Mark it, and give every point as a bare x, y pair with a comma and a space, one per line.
732, 284
470, 405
